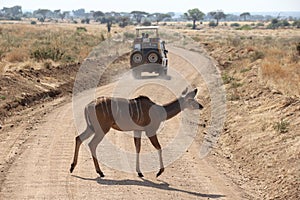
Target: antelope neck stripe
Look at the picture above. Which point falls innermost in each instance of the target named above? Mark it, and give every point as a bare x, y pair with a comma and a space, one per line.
137, 110
140, 109
104, 107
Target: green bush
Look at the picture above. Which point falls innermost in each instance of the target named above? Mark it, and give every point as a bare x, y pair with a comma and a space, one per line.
129, 35
235, 84
285, 23
47, 52
245, 27
15, 18
234, 96
81, 29
85, 21
245, 70
257, 55
272, 26
212, 24
282, 126
189, 25
123, 24
298, 48
33, 22
146, 23
275, 23
2, 97
260, 24
227, 79
296, 23
42, 19
235, 25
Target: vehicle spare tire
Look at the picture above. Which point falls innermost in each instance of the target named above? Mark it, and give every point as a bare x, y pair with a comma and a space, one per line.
153, 57
136, 58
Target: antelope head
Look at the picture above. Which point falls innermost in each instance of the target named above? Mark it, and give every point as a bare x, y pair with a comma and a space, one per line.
189, 101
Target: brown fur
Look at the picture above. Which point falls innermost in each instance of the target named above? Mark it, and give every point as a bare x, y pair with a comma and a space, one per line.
139, 114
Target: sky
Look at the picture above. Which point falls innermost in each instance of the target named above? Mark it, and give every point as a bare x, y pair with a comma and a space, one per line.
158, 5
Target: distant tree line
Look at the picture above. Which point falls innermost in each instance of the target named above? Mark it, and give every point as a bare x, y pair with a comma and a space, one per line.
135, 17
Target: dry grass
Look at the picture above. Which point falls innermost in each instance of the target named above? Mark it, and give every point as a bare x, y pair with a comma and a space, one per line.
261, 73
281, 66
284, 77
276, 51
19, 55
61, 43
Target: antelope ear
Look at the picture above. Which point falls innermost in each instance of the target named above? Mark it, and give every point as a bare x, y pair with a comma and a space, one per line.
195, 91
184, 92
192, 94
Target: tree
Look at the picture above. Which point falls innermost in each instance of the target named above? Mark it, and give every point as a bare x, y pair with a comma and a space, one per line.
124, 21
109, 21
79, 13
27, 15
12, 11
172, 14
245, 15
232, 17
43, 12
138, 15
195, 15
217, 15
109, 18
97, 14
57, 13
65, 14
160, 17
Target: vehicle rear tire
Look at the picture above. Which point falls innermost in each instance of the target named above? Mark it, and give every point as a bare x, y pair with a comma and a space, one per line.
153, 57
136, 58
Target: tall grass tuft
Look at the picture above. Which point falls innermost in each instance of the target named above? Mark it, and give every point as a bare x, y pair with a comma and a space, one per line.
18, 55
283, 76
282, 126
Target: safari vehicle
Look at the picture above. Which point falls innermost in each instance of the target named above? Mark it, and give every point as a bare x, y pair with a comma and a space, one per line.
149, 53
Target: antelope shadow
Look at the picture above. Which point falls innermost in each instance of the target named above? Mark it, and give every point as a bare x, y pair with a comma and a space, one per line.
147, 183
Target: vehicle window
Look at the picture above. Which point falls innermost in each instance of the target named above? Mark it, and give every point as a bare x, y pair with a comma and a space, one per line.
137, 46
146, 40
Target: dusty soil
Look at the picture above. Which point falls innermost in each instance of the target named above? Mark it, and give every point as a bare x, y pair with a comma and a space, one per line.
48, 143
259, 148
26, 87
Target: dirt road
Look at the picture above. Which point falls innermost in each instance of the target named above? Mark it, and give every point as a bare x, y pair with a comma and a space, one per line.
40, 169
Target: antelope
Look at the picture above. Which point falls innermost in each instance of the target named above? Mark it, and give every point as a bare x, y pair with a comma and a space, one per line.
137, 115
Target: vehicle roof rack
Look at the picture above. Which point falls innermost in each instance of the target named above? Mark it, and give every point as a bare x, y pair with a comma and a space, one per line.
146, 27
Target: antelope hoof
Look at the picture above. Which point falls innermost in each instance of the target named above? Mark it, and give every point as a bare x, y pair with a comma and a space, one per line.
101, 174
160, 172
140, 175
72, 168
